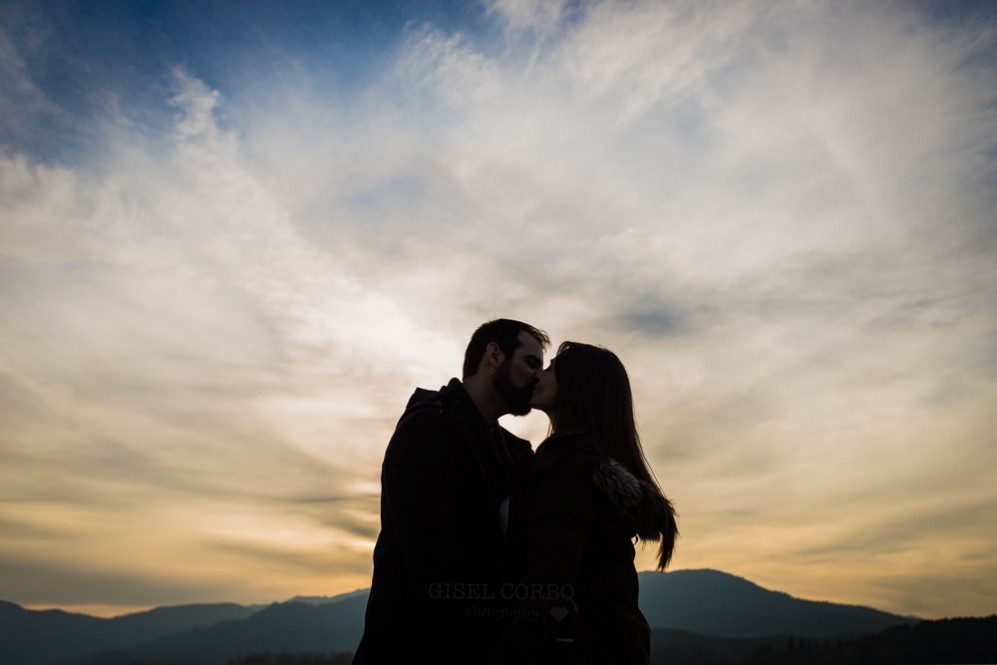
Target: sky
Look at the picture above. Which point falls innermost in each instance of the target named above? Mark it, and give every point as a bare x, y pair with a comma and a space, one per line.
234, 237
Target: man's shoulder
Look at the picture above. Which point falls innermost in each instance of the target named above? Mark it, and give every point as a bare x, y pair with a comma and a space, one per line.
424, 408
429, 410
426, 427
424, 402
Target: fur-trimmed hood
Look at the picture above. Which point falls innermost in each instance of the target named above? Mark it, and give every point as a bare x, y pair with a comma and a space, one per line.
639, 503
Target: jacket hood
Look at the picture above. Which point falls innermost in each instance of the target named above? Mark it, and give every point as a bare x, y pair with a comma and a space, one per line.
639, 502
454, 400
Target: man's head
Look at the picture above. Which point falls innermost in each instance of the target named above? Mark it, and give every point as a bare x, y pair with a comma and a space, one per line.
509, 355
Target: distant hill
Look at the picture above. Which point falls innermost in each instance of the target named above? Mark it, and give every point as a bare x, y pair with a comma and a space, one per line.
174, 619
681, 647
709, 602
700, 602
966, 640
35, 637
963, 640
44, 637
325, 600
287, 627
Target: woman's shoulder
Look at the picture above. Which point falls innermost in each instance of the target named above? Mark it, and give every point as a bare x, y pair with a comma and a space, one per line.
573, 447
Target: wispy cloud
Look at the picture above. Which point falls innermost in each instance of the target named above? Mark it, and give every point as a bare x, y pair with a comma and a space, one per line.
210, 325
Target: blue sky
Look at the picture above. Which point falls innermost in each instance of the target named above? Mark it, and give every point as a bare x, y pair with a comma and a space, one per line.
235, 236
80, 54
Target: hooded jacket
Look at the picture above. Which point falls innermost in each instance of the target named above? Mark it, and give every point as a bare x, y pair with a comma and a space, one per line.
570, 552
441, 487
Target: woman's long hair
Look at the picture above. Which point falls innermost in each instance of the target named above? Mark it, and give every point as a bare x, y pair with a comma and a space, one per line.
593, 392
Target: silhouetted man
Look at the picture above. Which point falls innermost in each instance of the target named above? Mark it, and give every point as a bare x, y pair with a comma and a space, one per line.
446, 472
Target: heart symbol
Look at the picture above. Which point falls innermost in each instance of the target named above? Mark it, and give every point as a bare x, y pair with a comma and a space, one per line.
559, 613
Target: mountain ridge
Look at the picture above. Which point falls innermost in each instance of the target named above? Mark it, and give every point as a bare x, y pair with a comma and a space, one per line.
701, 601
724, 605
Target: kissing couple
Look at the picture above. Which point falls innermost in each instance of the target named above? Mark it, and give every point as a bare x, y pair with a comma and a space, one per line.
492, 553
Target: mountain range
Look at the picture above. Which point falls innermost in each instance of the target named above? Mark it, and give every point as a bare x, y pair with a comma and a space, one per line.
704, 602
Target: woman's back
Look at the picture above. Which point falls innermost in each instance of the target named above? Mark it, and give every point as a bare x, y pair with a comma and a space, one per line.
571, 526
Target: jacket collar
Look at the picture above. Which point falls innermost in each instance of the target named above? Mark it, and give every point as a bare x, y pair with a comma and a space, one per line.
562, 444
639, 503
453, 399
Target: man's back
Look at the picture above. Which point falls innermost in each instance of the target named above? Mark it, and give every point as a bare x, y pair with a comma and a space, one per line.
440, 539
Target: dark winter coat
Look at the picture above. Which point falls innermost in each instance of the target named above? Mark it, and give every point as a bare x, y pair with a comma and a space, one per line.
441, 544
572, 520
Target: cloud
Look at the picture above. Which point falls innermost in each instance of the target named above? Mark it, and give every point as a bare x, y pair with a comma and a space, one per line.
47, 583
23, 105
211, 326
170, 327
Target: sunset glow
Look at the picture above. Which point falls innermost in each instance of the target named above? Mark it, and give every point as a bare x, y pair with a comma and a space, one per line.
234, 237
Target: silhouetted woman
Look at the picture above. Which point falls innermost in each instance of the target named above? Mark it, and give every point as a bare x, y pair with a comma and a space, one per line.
573, 518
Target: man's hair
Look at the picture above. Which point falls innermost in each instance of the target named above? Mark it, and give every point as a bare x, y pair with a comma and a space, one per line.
505, 333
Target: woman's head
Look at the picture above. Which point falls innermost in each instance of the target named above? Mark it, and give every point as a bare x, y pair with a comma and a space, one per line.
587, 387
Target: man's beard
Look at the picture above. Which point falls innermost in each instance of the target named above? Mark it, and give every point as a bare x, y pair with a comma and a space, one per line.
517, 399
